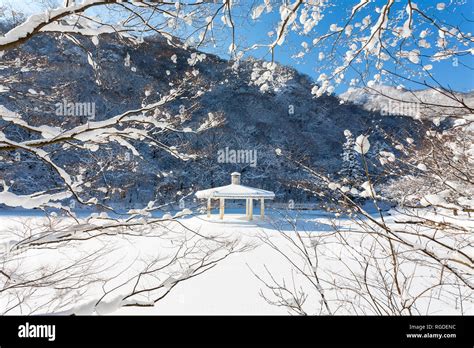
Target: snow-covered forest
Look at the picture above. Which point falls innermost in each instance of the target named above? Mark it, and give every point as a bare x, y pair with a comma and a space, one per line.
358, 115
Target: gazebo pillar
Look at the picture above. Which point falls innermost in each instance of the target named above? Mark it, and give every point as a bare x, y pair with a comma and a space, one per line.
251, 209
221, 207
209, 207
246, 207
262, 208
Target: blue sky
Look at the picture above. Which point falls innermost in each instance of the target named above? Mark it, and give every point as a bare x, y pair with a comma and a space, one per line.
458, 76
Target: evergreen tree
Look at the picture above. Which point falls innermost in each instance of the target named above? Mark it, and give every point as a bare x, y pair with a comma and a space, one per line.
350, 170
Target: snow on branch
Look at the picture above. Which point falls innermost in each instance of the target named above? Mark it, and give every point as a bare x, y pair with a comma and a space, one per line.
139, 125
38, 22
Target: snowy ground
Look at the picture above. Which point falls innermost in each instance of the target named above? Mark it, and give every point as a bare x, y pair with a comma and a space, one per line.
230, 287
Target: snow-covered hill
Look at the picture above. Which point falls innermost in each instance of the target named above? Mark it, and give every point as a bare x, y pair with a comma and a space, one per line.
428, 104
115, 76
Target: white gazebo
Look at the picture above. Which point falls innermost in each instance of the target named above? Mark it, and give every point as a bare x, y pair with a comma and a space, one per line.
236, 191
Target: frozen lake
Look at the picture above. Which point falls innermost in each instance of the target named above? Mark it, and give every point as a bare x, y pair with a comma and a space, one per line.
110, 254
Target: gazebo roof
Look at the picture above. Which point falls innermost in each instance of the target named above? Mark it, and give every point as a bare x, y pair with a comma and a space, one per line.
235, 191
